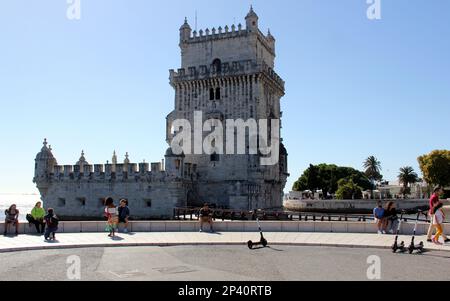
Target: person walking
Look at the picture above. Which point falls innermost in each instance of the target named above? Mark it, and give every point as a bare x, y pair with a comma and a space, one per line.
434, 201
36, 218
11, 219
438, 221
112, 215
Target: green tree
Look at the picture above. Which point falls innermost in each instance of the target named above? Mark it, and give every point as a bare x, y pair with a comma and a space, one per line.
326, 177
348, 190
435, 167
406, 177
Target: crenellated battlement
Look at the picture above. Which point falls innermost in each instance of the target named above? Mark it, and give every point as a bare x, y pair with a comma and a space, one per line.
230, 69
229, 32
107, 172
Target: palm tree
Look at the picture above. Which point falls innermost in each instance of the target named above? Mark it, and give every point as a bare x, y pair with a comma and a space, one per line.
406, 177
373, 168
373, 171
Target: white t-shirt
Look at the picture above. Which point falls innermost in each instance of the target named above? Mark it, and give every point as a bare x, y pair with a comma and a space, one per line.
438, 218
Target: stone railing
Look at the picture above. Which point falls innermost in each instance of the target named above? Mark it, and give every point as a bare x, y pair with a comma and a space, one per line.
230, 226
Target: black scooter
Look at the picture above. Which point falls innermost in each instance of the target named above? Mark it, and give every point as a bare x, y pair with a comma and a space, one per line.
396, 246
413, 247
262, 242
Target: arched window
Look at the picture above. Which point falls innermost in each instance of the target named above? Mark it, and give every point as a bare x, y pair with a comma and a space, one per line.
217, 93
211, 94
217, 65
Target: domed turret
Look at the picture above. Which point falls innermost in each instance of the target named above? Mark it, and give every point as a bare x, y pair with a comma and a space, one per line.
82, 160
44, 166
127, 159
185, 32
252, 20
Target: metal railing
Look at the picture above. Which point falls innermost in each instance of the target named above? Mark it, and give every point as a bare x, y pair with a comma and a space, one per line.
191, 214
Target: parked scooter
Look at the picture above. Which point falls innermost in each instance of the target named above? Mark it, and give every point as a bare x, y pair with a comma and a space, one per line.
413, 247
262, 241
396, 246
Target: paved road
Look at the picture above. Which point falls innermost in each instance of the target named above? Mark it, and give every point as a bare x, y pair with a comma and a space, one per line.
222, 263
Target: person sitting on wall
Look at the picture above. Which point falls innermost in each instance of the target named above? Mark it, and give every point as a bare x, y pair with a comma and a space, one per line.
378, 214
391, 218
124, 214
36, 218
52, 222
206, 217
11, 218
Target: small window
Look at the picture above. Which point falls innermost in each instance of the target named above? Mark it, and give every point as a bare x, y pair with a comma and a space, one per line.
211, 94
217, 93
148, 203
217, 65
61, 202
82, 201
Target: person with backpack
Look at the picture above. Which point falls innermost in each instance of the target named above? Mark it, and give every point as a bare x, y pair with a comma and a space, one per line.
52, 221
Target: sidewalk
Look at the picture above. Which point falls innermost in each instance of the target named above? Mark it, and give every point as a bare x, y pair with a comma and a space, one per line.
88, 240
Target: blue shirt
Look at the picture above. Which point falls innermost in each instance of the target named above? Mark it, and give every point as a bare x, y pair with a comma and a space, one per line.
378, 212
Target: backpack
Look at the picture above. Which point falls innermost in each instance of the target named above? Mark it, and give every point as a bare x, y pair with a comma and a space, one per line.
53, 221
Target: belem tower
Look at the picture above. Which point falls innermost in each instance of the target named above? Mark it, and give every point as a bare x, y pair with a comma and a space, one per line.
226, 73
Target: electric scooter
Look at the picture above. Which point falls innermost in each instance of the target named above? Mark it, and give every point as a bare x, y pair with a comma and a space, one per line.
396, 246
413, 247
262, 241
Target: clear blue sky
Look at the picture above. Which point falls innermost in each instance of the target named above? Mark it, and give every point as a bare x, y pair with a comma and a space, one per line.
354, 87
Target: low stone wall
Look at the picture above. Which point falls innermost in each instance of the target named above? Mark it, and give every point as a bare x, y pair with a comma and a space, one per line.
230, 226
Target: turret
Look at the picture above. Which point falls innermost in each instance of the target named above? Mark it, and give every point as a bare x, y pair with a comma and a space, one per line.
271, 40
174, 164
185, 32
252, 20
82, 161
44, 166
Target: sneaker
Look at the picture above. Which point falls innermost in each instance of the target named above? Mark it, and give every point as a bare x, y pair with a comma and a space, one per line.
391, 231
447, 240
201, 231
429, 240
384, 232
435, 241
379, 232
125, 230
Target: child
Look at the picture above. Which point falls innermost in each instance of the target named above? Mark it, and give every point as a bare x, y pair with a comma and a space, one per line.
52, 225
111, 214
439, 218
124, 214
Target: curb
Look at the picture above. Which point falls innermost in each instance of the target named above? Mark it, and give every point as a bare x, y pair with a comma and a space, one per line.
67, 247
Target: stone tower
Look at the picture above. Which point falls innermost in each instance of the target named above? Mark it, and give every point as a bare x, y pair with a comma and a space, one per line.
227, 73
44, 167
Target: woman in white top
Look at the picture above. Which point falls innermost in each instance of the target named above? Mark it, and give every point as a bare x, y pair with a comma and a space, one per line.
439, 218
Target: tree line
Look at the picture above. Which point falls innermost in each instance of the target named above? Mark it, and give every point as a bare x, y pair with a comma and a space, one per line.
349, 183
